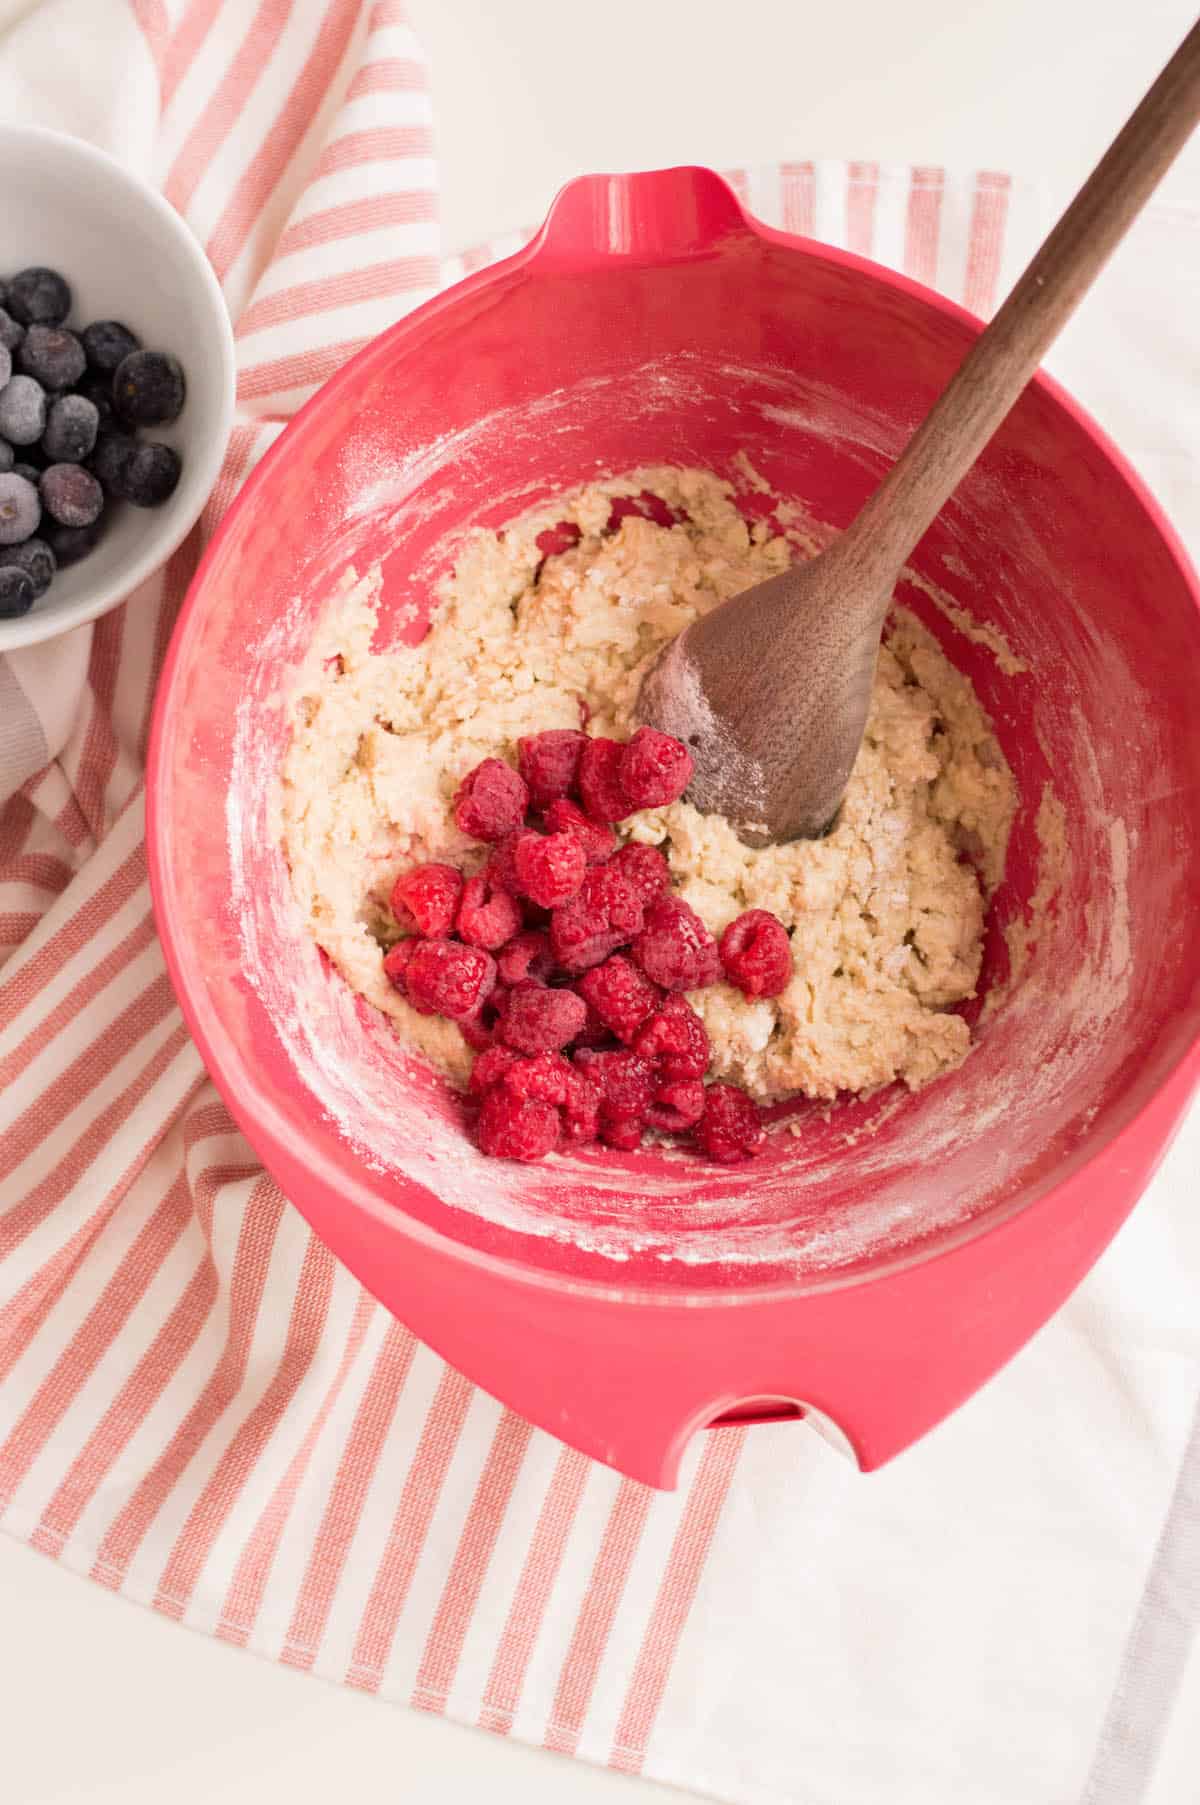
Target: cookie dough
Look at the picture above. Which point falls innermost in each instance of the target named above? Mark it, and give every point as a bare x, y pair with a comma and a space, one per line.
886, 914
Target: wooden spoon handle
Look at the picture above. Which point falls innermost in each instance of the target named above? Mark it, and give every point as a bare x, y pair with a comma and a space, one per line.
1004, 358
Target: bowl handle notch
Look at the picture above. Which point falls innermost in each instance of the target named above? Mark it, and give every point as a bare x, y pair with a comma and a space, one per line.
654, 216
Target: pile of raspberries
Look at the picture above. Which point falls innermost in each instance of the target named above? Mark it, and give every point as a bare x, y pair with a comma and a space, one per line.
564, 960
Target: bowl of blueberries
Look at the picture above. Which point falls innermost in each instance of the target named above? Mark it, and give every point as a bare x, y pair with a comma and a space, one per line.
117, 380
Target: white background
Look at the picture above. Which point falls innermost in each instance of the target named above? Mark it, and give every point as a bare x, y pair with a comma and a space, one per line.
529, 93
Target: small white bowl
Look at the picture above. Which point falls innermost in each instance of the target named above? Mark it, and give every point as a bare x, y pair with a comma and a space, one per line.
127, 255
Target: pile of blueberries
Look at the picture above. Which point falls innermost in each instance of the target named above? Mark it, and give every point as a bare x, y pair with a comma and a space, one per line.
71, 404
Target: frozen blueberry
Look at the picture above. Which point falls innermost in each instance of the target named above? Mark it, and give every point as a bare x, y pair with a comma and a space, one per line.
150, 476
71, 427
71, 495
17, 593
53, 355
35, 558
5, 364
11, 333
149, 388
20, 509
39, 296
110, 459
30, 472
3, 291
8, 456
98, 390
70, 543
22, 411
107, 342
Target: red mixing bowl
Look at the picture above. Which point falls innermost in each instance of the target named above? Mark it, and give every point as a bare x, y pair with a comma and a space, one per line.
881, 1264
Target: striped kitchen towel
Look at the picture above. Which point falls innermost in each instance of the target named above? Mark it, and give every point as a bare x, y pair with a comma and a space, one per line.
201, 1410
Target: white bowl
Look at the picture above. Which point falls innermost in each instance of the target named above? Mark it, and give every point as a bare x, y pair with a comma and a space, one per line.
127, 256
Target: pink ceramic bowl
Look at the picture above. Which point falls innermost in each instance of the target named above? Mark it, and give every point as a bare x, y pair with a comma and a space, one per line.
880, 1265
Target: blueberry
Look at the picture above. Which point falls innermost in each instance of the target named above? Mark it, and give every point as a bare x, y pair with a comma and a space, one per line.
53, 355
7, 456
17, 593
36, 559
150, 476
106, 342
111, 458
3, 291
11, 333
71, 427
70, 543
71, 495
5, 364
20, 509
23, 411
98, 390
39, 296
30, 472
149, 388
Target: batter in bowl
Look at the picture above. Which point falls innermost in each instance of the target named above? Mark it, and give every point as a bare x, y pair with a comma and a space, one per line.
885, 914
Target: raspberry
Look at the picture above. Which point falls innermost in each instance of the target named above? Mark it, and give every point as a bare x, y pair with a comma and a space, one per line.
730, 1129
516, 1127
549, 763
476, 1028
645, 868
757, 954
581, 1108
490, 1068
593, 1033
395, 964
611, 894
528, 956
625, 1081
596, 839
647, 506
546, 1076
620, 995
674, 1040
549, 867
622, 1132
501, 867
678, 1104
487, 915
654, 769
599, 780
558, 538
675, 948
536, 1020
444, 978
491, 801
426, 898
605, 915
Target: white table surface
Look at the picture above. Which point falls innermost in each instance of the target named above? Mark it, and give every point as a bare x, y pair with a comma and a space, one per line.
530, 93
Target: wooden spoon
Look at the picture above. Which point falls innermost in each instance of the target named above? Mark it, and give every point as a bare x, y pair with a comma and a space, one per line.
771, 690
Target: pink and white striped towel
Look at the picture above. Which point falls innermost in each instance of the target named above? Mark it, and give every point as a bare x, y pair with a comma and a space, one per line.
201, 1410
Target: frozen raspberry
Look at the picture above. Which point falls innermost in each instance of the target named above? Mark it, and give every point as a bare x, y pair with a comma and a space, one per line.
491, 801
678, 1104
546, 1076
620, 995
645, 868
757, 954
654, 769
612, 895
730, 1129
674, 1040
581, 1109
512, 1127
625, 1081
526, 956
501, 867
487, 915
490, 1068
549, 867
149, 388
624, 1133
477, 1029
534, 1019
425, 899
596, 839
549, 763
675, 948
395, 964
444, 978
599, 780
605, 915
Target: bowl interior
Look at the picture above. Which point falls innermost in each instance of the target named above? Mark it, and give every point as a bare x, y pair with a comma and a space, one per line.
1046, 579
127, 255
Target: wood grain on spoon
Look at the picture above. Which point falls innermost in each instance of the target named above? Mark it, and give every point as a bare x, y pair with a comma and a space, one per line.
771, 690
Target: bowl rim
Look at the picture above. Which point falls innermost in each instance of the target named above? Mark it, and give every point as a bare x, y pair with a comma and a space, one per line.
36, 627
266, 1128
